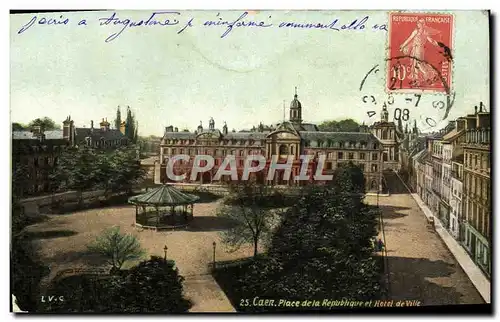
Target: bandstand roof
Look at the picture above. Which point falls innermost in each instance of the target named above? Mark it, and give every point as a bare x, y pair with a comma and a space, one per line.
165, 195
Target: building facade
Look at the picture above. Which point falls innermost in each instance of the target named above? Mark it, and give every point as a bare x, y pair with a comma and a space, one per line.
456, 190
289, 139
477, 189
36, 152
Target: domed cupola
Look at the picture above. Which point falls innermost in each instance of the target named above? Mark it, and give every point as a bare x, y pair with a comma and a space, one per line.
296, 109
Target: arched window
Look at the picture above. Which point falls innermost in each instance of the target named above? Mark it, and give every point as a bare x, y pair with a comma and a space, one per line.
283, 149
384, 134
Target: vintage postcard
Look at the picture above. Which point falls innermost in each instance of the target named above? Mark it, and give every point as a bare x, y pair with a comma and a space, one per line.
169, 161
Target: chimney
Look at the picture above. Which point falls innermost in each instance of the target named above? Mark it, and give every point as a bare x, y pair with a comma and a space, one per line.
176, 129
36, 130
91, 124
483, 120
460, 124
471, 122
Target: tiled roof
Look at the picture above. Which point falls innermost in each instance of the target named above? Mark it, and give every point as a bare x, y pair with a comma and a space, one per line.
28, 135
96, 134
246, 135
306, 127
165, 195
22, 135
53, 135
338, 136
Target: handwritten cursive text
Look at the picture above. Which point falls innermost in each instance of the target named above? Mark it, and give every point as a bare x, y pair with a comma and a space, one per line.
151, 21
43, 21
236, 23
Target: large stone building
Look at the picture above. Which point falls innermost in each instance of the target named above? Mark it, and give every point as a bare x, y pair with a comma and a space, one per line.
389, 135
477, 189
35, 152
289, 138
453, 179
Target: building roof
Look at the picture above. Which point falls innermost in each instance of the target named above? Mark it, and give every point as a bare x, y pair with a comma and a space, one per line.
22, 135
96, 134
383, 123
338, 136
28, 135
450, 136
422, 157
295, 103
309, 127
165, 195
418, 154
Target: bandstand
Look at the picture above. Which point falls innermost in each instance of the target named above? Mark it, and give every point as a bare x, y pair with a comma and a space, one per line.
163, 208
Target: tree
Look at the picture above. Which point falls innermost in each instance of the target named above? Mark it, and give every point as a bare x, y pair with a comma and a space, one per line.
46, 123
118, 120
347, 125
245, 208
152, 286
118, 248
124, 170
350, 178
84, 169
18, 126
27, 272
77, 169
131, 126
321, 249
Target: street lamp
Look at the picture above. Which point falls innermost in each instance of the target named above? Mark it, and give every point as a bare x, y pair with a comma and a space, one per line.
165, 250
214, 244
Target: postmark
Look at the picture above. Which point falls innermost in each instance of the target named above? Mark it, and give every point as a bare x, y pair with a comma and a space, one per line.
420, 52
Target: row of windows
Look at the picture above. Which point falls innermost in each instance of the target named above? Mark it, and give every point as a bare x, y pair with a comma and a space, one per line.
217, 142
103, 143
283, 151
477, 186
477, 160
216, 152
478, 218
335, 144
241, 163
307, 143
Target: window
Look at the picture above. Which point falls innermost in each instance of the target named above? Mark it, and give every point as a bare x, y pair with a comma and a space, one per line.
283, 149
374, 156
361, 156
340, 155
362, 166
374, 168
241, 153
328, 165
351, 156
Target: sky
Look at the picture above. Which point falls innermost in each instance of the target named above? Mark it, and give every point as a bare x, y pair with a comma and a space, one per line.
243, 78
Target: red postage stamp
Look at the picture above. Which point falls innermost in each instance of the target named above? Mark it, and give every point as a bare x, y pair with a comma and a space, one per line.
420, 52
